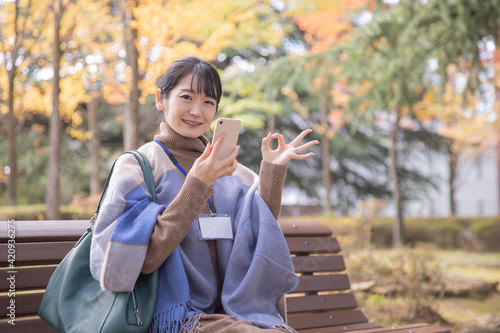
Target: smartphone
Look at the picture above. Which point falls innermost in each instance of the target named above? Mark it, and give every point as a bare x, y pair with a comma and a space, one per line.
232, 129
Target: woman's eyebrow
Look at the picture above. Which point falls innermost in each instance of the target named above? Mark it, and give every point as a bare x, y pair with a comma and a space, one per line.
194, 92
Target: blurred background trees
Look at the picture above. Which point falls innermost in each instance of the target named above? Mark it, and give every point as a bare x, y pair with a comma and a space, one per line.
377, 80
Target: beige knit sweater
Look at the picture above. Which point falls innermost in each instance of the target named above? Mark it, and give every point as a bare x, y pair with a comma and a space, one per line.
173, 224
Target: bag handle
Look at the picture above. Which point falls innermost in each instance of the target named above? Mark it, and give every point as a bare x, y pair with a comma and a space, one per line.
148, 179
147, 170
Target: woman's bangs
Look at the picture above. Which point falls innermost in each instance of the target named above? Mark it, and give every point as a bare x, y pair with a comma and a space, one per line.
206, 82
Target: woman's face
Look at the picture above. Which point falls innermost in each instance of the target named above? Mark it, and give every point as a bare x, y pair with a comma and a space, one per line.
187, 112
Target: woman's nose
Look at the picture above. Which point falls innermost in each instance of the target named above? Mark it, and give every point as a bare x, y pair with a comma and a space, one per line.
195, 109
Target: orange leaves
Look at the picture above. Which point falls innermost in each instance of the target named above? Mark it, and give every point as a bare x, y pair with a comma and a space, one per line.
336, 118
428, 99
422, 108
339, 94
364, 106
449, 107
296, 104
329, 26
323, 24
496, 61
363, 88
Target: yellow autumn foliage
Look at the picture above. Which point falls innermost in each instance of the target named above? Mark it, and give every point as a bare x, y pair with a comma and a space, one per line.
79, 135
457, 118
36, 98
170, 30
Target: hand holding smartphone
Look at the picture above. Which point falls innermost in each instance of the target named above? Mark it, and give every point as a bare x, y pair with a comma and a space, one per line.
232, 129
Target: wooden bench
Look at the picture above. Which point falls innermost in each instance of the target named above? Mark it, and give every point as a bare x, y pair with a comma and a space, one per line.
322, 301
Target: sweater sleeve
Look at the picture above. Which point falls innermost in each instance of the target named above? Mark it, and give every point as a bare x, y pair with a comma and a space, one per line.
173, 224
272, 178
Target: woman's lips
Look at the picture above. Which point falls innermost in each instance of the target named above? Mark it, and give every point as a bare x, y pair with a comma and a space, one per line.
190, 123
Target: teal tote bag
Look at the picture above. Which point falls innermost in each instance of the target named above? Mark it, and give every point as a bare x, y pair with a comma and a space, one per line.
74, 300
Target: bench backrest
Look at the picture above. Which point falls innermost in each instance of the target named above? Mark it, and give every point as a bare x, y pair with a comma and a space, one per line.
38, 247
321, 299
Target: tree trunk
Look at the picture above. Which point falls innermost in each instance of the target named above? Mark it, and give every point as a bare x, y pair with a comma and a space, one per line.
53, 188
11, 141
95, 170
271, 124
452, 167
398, 230
498, 160
11, 118
271, 121
325, 147
131, 114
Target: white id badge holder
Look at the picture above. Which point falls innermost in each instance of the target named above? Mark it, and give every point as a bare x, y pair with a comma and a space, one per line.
213, 227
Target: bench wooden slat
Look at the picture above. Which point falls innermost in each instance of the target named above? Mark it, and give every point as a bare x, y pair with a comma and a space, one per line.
306, 264
41, 231
35, 324
314, 283
26, 304
28, 278
325, 319
320, 302
341, 328
304, 228
39, 253
312, 245
415, 328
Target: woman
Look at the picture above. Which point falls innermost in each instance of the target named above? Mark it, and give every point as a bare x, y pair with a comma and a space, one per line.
222, 285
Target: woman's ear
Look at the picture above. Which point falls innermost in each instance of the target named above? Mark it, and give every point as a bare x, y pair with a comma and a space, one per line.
159, 100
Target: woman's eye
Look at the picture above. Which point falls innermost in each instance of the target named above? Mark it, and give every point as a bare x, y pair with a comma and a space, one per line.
186, 97
209, 103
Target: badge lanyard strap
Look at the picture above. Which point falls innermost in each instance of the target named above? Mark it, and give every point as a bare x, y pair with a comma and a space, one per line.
210, 204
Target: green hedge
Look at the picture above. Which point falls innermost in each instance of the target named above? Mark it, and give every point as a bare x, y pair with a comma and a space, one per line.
488, 232
472, 234
442, 232
477, 234
38, 212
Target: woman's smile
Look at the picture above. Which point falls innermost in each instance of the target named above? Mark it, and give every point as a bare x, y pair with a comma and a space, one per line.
191, 123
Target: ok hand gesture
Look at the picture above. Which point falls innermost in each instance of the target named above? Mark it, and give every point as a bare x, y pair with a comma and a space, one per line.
286, 152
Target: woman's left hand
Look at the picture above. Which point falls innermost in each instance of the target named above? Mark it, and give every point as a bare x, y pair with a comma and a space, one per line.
286, 152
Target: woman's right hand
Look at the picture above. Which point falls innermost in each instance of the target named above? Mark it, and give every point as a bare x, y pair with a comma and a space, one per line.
208, 168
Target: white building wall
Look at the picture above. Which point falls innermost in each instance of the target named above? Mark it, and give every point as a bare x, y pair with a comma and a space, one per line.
477, 192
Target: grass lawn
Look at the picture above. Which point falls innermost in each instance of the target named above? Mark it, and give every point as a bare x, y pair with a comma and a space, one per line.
470, 312
484, 266
463, 314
